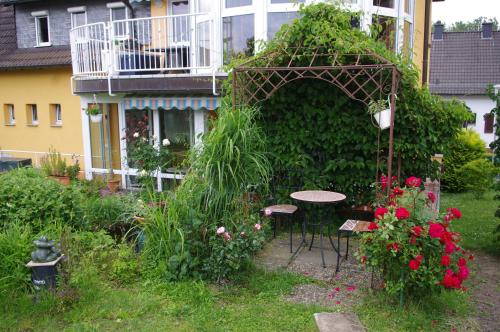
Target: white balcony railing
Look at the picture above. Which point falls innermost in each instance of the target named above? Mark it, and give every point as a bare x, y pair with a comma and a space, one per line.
181, 44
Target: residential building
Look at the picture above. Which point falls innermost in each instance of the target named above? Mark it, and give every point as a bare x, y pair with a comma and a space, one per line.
463, 64
156, 64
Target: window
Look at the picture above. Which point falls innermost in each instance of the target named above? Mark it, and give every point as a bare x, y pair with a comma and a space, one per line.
118, 12
42, 29
238, 3
238, 36
178, 127
204, 6
286, 1
488, 123
407, 40
181, 26
472, 122
9, 115
78, 16
384, 28
55, 115
407, 6
31, 115
384, 3
276, 20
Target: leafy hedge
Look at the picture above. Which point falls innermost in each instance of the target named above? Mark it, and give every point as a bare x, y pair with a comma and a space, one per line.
315, 127
465, 147
27, 196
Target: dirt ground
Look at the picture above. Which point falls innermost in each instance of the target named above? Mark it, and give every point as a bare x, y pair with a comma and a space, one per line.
486, 292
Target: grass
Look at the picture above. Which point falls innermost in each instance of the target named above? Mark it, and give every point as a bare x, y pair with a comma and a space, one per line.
478, 220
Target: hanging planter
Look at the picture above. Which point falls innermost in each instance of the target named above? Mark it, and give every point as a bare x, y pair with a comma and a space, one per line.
381, 113
94, 112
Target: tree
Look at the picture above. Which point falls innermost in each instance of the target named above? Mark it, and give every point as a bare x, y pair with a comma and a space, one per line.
474, 25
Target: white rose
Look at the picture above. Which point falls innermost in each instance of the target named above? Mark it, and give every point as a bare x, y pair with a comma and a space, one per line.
165, 142
155, 137
221, 230
143, 173
136, 135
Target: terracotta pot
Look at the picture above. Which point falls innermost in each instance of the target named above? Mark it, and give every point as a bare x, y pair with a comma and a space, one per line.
64, 180
113, 185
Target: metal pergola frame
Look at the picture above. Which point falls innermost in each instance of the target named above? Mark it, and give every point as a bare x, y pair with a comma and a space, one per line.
363, 77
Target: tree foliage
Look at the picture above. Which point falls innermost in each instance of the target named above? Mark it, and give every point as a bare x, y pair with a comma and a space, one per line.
474, 25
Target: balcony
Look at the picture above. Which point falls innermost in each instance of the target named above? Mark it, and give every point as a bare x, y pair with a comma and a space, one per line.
112, 55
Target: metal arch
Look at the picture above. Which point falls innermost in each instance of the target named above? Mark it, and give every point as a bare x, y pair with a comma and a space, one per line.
363, 77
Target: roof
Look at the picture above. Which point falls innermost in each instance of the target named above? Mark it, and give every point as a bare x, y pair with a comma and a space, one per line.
463, 63
12, 57
8, 39
36, 57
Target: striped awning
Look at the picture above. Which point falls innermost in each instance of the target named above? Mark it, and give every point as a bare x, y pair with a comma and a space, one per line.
180, 103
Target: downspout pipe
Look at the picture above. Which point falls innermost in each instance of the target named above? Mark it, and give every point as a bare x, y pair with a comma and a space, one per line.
130, 8
427, 31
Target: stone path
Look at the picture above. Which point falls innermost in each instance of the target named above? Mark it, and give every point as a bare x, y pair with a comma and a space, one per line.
338, 322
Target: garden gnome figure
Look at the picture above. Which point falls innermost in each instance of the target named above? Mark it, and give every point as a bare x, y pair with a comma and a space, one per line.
45, 251
43, 264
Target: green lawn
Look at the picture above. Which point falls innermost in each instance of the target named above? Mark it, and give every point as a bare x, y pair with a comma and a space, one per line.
478, 221
254, 303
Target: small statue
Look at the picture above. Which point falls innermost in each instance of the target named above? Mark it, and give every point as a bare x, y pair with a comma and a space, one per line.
45, 251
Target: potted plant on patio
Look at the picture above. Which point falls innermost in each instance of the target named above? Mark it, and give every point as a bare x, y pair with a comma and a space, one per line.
55, 167
95, 113
381, 113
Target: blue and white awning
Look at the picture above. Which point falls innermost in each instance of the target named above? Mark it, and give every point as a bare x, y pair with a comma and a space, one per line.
180, 103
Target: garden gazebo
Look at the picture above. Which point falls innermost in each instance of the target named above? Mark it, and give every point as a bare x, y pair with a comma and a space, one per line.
364, 77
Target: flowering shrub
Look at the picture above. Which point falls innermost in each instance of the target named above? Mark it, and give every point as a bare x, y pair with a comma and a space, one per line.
232, 249
414, 249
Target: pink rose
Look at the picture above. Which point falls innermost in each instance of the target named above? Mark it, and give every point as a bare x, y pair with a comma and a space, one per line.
257, 227
221, 230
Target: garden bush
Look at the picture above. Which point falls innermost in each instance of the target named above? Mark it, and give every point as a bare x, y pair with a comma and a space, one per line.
465, 147
412, 247
478, 176
27, 196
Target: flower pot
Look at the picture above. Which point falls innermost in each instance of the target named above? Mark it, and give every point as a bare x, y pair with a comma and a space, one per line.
113, 185
64, 180
96, 118
383, 118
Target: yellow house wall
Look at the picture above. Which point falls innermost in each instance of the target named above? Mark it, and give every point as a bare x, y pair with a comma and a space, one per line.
418, 34
41, 87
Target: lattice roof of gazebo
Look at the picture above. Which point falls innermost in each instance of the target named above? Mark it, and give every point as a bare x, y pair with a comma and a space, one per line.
362, 77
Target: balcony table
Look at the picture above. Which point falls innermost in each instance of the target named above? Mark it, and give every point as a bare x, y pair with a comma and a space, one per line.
319, 198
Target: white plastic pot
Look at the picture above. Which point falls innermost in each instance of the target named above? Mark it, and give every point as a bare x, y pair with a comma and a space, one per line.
96, 118
383, 118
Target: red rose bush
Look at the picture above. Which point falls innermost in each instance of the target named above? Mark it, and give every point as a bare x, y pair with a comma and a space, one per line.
415, 250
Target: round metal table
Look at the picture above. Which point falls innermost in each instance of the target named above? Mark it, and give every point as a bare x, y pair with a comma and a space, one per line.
317, 197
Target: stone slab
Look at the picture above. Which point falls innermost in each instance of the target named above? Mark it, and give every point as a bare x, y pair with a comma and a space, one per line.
338, 322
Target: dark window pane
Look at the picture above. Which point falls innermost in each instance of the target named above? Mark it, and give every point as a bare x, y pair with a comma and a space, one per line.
118, 14
384, 3
178, 127
238, 3
276, 20
238, 35
285, 1
488, 123
43, 29
180, 8
384, 28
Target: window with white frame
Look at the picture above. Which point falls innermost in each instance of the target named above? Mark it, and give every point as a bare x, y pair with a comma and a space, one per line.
276, 19
42, 27
31, 115
118, 12
237, 3
55, 115
78, 16
181, 26
9, 114
384, 3
238, 36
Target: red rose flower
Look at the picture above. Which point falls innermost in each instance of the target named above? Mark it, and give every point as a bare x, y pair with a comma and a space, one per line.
402, 213
413, 239
398, 191
419, 258
451, 281
449, 247
463, 273
462, 261
383, 181
455, 213
413, 182
445, 237
393, 246
380, 212
471, 257
416, 230
431, 196
363, 259
373, 226
414, 264
445, 260
436, 230
392, 203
